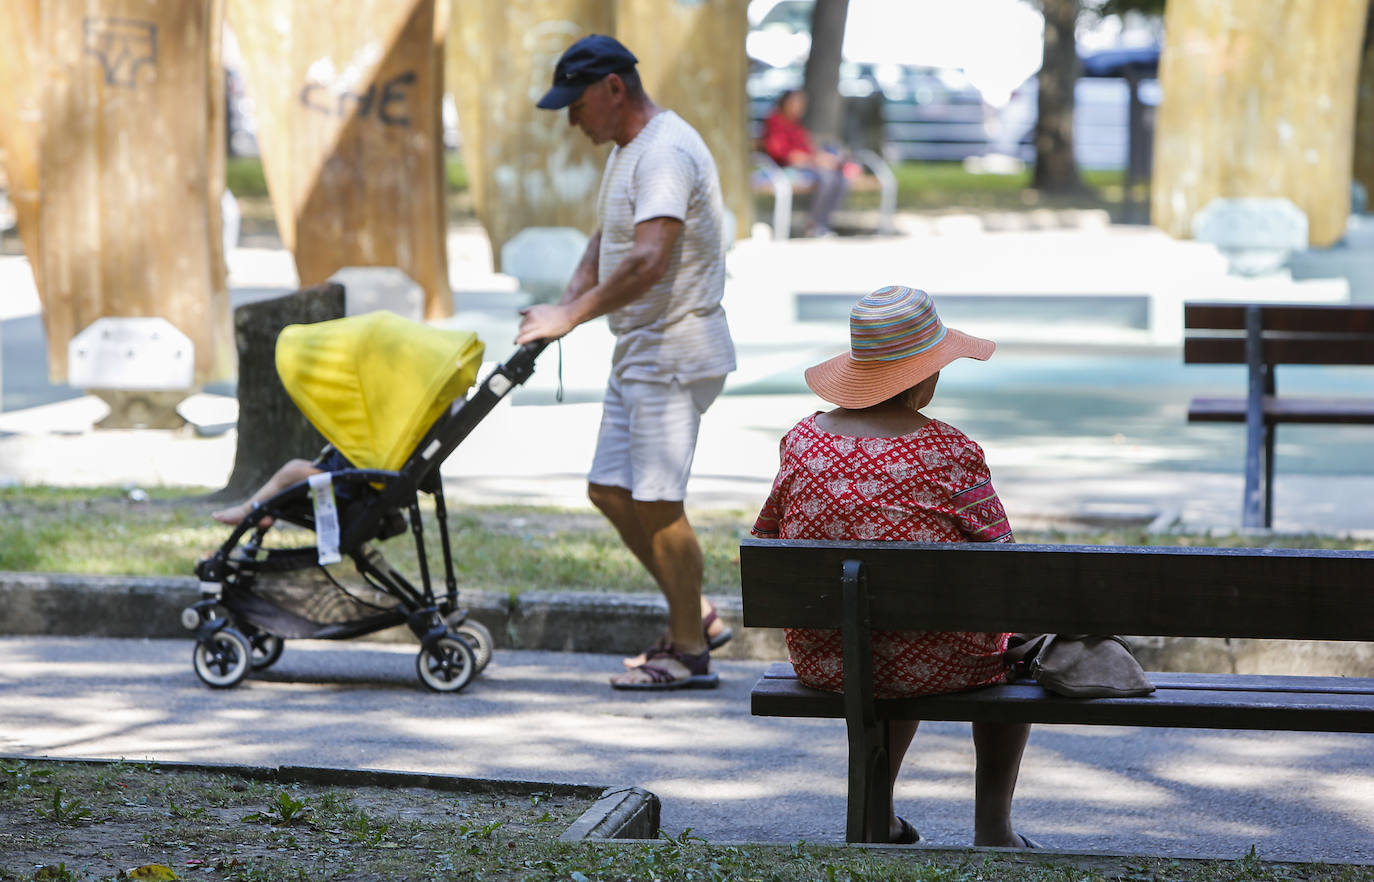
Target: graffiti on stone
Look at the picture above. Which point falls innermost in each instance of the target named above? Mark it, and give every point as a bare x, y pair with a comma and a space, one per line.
121, 45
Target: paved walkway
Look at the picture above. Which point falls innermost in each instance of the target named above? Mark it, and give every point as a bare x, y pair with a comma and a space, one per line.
722, 773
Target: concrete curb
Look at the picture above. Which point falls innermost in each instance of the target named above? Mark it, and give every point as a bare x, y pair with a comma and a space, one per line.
60, 604
122, 606
630, 813
620, 813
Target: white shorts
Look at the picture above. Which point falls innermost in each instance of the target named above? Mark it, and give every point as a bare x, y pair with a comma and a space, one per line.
649, 435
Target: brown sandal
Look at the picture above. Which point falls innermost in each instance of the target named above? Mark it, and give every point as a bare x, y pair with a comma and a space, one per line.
725, 636
699, 674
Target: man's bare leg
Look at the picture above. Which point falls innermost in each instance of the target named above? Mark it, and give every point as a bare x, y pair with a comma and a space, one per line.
660, 536
622, 511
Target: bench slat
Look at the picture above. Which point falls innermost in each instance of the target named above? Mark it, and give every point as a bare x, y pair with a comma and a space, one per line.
1343, 349
1166, 591
1189, 680
1316, 318
1285, 410
1170, 707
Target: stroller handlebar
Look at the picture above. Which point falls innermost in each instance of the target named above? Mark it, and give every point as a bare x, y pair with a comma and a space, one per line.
520, 366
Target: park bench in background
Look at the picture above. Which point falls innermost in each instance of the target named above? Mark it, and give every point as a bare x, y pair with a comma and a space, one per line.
1181, 592
1262, 337
770, 178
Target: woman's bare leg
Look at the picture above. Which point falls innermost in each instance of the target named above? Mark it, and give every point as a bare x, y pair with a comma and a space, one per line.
998, 747
899, 736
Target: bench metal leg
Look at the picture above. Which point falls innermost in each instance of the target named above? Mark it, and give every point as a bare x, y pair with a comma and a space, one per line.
1269, 475
782, 208
887, 188
870, 778
870, 785
1255, 510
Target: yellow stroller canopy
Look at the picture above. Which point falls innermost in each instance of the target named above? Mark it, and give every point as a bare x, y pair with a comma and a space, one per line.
373, 384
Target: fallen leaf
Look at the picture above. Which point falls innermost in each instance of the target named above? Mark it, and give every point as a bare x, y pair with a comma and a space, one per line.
152, 873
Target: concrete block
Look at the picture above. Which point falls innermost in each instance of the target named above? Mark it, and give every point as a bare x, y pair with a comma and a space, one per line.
543, 259
1256, 235
370, 288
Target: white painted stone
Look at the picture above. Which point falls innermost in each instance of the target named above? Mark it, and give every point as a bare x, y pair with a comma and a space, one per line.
131, 353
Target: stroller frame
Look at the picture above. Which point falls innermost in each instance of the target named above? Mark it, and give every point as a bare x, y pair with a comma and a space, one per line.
230, 643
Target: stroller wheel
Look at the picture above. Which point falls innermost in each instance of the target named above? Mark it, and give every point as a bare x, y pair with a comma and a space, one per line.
447, 666
222, 659
266, 649
479, 638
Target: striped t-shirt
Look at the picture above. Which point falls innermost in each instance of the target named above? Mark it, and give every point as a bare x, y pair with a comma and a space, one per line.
676, 329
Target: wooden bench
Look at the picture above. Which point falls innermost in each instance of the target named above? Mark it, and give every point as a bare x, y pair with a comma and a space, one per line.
1262, 337
1181, 592
770, 178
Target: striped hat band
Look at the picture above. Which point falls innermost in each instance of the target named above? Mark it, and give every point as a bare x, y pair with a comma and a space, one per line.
893, 323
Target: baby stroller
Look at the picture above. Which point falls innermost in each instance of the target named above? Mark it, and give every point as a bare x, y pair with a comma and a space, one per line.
387, 393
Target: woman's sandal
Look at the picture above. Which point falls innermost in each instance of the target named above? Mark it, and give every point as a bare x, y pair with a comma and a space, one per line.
909, 835
661, 678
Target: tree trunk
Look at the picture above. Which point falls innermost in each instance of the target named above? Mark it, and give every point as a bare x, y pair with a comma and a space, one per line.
699, 68
1364, 111
1056, 170
1258, 100
824, 108
271, 429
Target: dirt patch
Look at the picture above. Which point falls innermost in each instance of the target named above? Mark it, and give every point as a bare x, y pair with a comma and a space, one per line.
94, 821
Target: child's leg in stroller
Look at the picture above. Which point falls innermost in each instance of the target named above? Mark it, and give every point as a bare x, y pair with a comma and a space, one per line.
294, 470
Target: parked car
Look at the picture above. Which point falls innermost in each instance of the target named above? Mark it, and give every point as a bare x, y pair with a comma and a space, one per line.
1101, 119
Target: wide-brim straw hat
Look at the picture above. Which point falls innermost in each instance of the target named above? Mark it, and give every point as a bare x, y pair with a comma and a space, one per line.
896, 340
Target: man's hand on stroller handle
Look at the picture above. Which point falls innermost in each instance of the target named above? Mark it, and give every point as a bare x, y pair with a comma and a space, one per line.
544, 321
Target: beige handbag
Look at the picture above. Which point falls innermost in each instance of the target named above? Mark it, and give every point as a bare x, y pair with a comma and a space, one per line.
1079, 665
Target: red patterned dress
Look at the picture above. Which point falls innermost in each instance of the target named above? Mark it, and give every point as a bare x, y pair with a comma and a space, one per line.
930, 486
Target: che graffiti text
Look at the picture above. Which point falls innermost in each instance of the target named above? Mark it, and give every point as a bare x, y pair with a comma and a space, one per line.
388, 99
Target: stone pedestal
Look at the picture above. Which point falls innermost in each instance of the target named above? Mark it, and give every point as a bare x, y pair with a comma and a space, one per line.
141, 408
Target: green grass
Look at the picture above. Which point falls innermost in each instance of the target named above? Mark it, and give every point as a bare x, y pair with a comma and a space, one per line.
102, 531
245, 178
920, 186
217, 825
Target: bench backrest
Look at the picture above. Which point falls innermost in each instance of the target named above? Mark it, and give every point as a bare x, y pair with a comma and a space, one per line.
1291, 333
1173, 591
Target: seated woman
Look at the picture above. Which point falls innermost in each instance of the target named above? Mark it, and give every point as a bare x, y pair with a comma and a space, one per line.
788, 143
876, 468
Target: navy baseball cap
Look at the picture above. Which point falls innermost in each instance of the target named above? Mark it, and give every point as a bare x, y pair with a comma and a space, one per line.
583, 63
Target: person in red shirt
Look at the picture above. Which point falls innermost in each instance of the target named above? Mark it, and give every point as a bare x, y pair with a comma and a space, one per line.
788, 143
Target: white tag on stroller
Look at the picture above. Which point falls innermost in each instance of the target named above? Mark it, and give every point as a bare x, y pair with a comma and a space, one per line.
326, 518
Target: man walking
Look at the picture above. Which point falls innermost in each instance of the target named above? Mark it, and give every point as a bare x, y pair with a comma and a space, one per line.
656, 269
